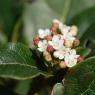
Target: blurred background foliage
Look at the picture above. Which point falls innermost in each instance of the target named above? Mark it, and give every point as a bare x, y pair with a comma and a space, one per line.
20, 20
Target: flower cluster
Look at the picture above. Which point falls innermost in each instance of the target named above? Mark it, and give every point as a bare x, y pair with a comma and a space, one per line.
57, 42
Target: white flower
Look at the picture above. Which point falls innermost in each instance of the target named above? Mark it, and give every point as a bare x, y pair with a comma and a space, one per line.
73, 30
43, 33
60, 53
70, 58
57, 42
69, 37
64, 29
42, 45
69, 40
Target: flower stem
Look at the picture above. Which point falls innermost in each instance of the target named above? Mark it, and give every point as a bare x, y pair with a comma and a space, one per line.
16, 30
66, 9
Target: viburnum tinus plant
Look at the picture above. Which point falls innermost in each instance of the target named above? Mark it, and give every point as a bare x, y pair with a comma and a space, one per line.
57, 56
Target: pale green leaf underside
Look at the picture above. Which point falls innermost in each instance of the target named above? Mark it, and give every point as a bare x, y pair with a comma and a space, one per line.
58, 89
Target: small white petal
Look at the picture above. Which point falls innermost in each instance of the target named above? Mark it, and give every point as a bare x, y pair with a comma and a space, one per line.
44, 42
47, 32
74, 51
50, 43
71, 63
61, 56
56, 54
41, 33
55, 38
77, 56
40, 49
61, 25
40, 44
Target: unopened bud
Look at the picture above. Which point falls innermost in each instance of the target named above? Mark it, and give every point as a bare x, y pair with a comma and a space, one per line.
56, 21
62, 64
73, 31
45, 53
50, 49
76, 42
67, 43
80, 59
48, 58
36, 40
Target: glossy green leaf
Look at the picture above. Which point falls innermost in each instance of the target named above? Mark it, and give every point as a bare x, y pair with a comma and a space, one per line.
88, 35
80, 77
16, 62
18, 71
83, 20
9, 11
91, 89
16, 53
92, 47
84, 52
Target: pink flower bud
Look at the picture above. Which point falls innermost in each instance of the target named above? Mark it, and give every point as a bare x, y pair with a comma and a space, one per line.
50, 48
76, 42
48, 38
36, 40
80, 59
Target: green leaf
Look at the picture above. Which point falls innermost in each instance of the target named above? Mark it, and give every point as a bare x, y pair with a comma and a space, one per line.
18, 71
84, 52
16, 53
92, 47
80, 77
88, 35
58, 89
23, 87
16, 62
3, 39
9, 11
76, 8
83, 20
91, 89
